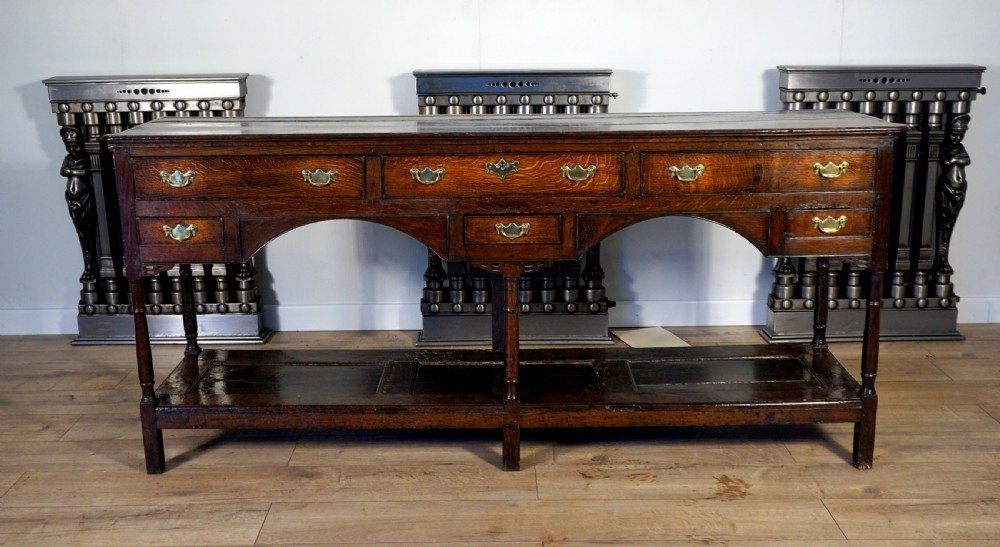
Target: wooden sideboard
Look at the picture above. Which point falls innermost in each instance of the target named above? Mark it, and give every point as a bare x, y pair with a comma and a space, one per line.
509, 195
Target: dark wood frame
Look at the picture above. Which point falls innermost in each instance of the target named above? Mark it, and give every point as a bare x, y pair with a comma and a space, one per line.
760, 187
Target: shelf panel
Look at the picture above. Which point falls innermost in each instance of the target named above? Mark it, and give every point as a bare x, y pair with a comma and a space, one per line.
429, 388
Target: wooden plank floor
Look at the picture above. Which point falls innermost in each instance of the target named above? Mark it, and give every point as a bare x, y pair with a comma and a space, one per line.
71, 468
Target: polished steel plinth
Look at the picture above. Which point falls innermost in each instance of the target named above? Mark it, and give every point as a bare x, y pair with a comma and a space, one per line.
89, 107
919, 301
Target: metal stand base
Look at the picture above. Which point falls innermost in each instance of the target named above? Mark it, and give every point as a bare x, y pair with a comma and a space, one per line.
169, 329
847, 325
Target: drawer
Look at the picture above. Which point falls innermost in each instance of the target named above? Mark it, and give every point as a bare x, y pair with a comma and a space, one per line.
430, 176
825, 171
513, 229
705, 173
825, 223
250, 177
827, 232
180, 231
766, 171
181, 239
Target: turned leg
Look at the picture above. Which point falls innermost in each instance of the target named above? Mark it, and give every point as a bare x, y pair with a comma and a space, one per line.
864, 431
511, 274
821, 311
152, 436
188, 312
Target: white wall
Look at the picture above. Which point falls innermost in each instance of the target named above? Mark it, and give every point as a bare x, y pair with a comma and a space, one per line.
322, 57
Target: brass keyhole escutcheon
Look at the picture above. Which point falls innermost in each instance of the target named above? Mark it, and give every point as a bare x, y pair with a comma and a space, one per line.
502, 168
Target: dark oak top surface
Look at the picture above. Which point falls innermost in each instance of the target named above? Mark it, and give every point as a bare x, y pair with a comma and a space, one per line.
832, 121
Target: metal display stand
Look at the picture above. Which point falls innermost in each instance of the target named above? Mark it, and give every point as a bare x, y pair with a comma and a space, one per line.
565, 303
919, 301
89, 107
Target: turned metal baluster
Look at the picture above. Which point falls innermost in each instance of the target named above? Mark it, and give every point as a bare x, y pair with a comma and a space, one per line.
525, 104
434, 277
501, 107
853, 290
221, 292
477, 105
112, 280
570, 285
480, 290
456, 285
593, 279
246, 287
572, 104
200, 288
547, 289
154, 294
783, 288
525, 292
174, 275
935, 131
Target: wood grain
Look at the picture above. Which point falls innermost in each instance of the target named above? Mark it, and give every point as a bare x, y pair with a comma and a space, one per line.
72, 471
546, 521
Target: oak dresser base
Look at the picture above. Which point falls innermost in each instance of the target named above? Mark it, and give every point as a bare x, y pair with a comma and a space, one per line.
791, 183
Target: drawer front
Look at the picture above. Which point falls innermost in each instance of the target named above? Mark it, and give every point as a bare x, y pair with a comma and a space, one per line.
181, 239
825, 171
249, 178
180, 231
579, 174
513, 229
827, 223
705, 173
768, 171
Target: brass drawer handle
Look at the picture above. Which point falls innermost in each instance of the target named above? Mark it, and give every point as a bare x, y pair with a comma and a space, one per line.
686, 173
513, 230
427, 175
177, 179
830, 225
319, 177
578, 173
830, 170
502, 168
180, 233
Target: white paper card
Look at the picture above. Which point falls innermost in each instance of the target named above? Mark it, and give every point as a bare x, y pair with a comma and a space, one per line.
650, 337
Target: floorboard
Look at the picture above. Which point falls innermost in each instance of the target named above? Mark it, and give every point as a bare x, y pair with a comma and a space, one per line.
72, 470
